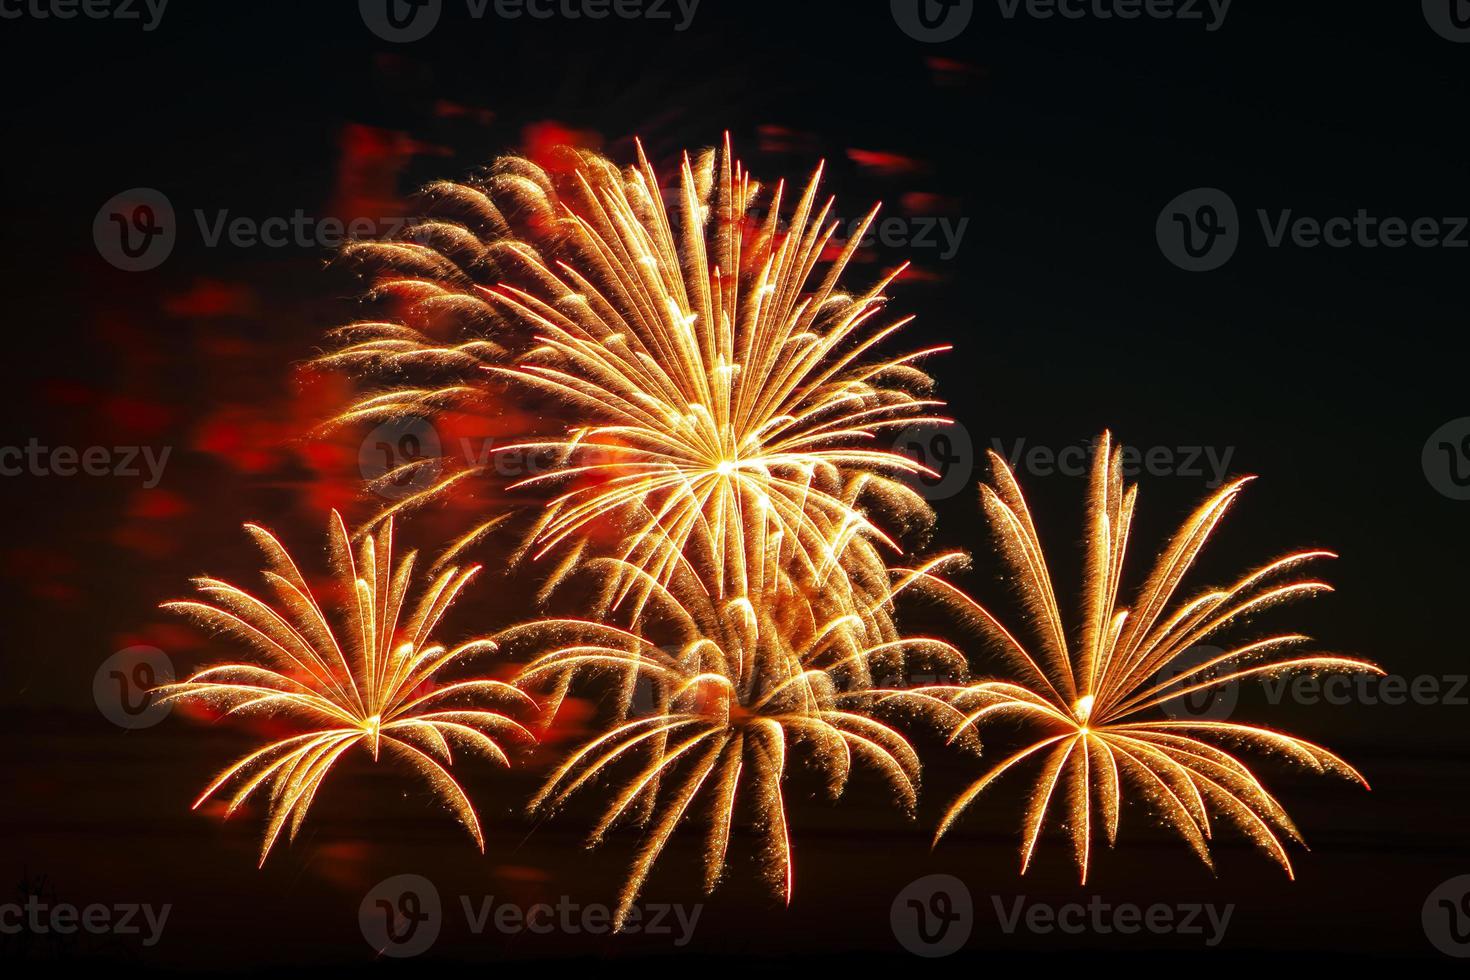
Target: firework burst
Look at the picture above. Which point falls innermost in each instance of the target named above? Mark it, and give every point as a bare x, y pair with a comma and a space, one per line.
724, 390
370, 682
741, 686
1088, 699
716, 399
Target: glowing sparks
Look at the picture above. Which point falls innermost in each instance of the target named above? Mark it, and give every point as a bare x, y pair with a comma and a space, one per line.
723, 390
722, 482
740, 685
1086, 698
368, 682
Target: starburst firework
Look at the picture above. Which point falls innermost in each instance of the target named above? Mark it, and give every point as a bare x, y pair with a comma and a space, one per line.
369, 682
1089, 698
741, 685
723, 391
718, 419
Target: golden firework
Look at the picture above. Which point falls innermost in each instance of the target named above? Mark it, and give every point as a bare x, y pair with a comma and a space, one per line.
739, 685
1087, 697
724, 392
370, 681
718, 404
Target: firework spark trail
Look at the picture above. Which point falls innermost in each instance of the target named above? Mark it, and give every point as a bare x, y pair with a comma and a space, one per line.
709, 393
1086, 699
367, 682
741, 684
724, 393
722, 405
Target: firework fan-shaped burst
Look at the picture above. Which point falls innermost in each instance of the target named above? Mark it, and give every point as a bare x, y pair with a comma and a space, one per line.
371, 680
721, 391
739, 689
1090, 698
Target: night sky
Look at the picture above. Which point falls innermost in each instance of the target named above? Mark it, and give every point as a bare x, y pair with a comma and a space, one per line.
1035, 166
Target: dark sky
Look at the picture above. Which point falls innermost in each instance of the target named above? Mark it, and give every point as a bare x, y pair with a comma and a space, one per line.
1054, 144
